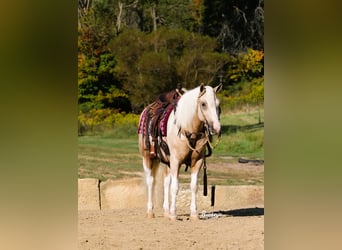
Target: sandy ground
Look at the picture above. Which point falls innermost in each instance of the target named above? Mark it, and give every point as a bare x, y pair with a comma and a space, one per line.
129, 229
240, 226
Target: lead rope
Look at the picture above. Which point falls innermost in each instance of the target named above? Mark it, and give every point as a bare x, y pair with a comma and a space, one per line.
206, 131
205, 186
195, 149
207, 140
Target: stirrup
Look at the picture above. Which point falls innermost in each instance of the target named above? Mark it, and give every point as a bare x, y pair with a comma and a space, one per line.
152, 150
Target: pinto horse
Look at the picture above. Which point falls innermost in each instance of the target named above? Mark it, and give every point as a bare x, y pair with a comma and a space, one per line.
189, 128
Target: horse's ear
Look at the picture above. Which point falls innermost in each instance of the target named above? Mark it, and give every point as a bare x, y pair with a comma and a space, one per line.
218, 88
202, 88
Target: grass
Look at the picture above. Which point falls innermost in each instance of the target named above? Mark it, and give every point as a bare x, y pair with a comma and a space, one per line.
109, 156
242, 135
105, 157
231, 177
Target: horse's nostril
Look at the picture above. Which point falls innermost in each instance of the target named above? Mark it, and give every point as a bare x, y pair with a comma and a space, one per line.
217, 127
214, 128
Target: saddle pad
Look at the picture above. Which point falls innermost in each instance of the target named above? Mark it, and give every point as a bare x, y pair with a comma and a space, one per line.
164, 119
162, 123
142, 122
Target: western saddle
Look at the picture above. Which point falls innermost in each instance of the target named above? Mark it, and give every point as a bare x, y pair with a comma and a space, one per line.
153, 124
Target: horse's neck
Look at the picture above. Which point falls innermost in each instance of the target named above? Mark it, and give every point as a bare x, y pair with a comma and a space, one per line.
195, 126
186, 114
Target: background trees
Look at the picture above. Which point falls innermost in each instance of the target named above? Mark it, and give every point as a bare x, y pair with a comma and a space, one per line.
152, 63
129, 51
238, 25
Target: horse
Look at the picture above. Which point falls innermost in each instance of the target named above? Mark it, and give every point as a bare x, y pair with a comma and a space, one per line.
190, 127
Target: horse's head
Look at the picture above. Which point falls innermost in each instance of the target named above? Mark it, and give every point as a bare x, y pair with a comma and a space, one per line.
209, 108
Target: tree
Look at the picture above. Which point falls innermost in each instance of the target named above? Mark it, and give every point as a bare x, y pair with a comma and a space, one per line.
149, 64
97, 84
237, 25
127, 14
83, 8
199, 61
96, 27
197, 11
132, 50
246, 66
175, 14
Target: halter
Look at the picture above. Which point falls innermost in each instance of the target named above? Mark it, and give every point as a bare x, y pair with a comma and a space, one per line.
193, 138
200, 135
207, 133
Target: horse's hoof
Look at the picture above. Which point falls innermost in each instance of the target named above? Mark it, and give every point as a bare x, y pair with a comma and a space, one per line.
150, 215
194, 217
166, 214
173, 217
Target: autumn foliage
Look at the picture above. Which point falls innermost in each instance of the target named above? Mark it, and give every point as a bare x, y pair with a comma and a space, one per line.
131, 51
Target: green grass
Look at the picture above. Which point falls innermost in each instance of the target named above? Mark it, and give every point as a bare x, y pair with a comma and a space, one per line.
106, 157
242, 135
236, 177
109, 156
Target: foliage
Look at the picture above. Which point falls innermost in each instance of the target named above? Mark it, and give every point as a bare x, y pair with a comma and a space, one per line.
245, 81
246, 66
95, 28
197, 10
237, 25
131, 51
97, 86
97, 121
149, 64
175, 14
252, 94
256, 95
200, 62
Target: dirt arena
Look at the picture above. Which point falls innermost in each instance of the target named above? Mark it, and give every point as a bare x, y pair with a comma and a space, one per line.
239, 221
129, 229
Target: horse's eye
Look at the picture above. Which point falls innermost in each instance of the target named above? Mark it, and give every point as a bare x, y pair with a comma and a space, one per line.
203, 104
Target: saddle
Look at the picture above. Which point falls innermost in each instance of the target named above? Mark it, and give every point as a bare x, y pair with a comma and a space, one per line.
153, 124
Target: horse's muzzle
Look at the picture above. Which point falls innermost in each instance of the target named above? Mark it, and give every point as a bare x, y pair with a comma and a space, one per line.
215, 128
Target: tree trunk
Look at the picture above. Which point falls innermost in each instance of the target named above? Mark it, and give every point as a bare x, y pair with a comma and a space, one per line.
119, 17
154, 17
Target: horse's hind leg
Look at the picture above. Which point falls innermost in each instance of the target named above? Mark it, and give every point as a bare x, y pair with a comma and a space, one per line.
167, 181
147, 163
174, 168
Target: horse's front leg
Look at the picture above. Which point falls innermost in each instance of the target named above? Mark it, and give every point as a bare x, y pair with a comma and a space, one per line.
194, 188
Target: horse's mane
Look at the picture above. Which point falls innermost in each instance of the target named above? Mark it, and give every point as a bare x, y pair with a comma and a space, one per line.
186, 108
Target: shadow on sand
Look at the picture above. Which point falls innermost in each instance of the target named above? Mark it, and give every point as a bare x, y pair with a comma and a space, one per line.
256, 211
